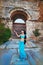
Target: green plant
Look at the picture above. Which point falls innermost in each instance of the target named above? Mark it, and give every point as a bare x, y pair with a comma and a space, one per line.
5, 34
36, 32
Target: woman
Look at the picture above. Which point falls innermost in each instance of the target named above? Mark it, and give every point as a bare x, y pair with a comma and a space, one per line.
22, 44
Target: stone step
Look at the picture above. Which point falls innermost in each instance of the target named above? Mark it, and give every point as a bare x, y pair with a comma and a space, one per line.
15, 44
17, 61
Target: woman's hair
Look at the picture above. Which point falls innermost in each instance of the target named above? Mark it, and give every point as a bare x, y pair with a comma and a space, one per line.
25, 37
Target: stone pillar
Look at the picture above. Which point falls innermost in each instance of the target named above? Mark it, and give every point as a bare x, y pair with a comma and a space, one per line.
10, 23
29, 28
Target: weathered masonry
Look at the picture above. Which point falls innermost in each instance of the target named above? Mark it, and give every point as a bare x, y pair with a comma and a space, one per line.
30, 12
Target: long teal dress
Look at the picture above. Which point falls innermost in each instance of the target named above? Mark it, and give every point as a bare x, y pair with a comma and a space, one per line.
22, 52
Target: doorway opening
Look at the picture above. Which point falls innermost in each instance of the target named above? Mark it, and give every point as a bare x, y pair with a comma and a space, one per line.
18, 25
18, 18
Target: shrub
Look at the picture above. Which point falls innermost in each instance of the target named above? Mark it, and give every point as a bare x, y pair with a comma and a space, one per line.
5, 34
36, 32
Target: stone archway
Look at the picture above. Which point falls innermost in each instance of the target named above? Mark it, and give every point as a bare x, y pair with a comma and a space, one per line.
19, 14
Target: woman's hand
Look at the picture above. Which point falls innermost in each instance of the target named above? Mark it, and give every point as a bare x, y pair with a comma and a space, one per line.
16, 33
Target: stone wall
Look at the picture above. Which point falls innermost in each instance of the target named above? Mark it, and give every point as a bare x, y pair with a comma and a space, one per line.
32, 25
32, 9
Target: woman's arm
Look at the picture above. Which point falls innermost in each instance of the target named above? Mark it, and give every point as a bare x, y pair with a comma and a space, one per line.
16, 33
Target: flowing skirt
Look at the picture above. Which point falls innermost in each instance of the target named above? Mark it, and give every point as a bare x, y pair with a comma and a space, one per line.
21, 50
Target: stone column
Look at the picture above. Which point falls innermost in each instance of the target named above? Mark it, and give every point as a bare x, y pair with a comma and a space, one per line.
29, 28
10, 24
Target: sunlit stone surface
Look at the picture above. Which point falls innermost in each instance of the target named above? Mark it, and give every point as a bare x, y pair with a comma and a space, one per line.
10, 56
